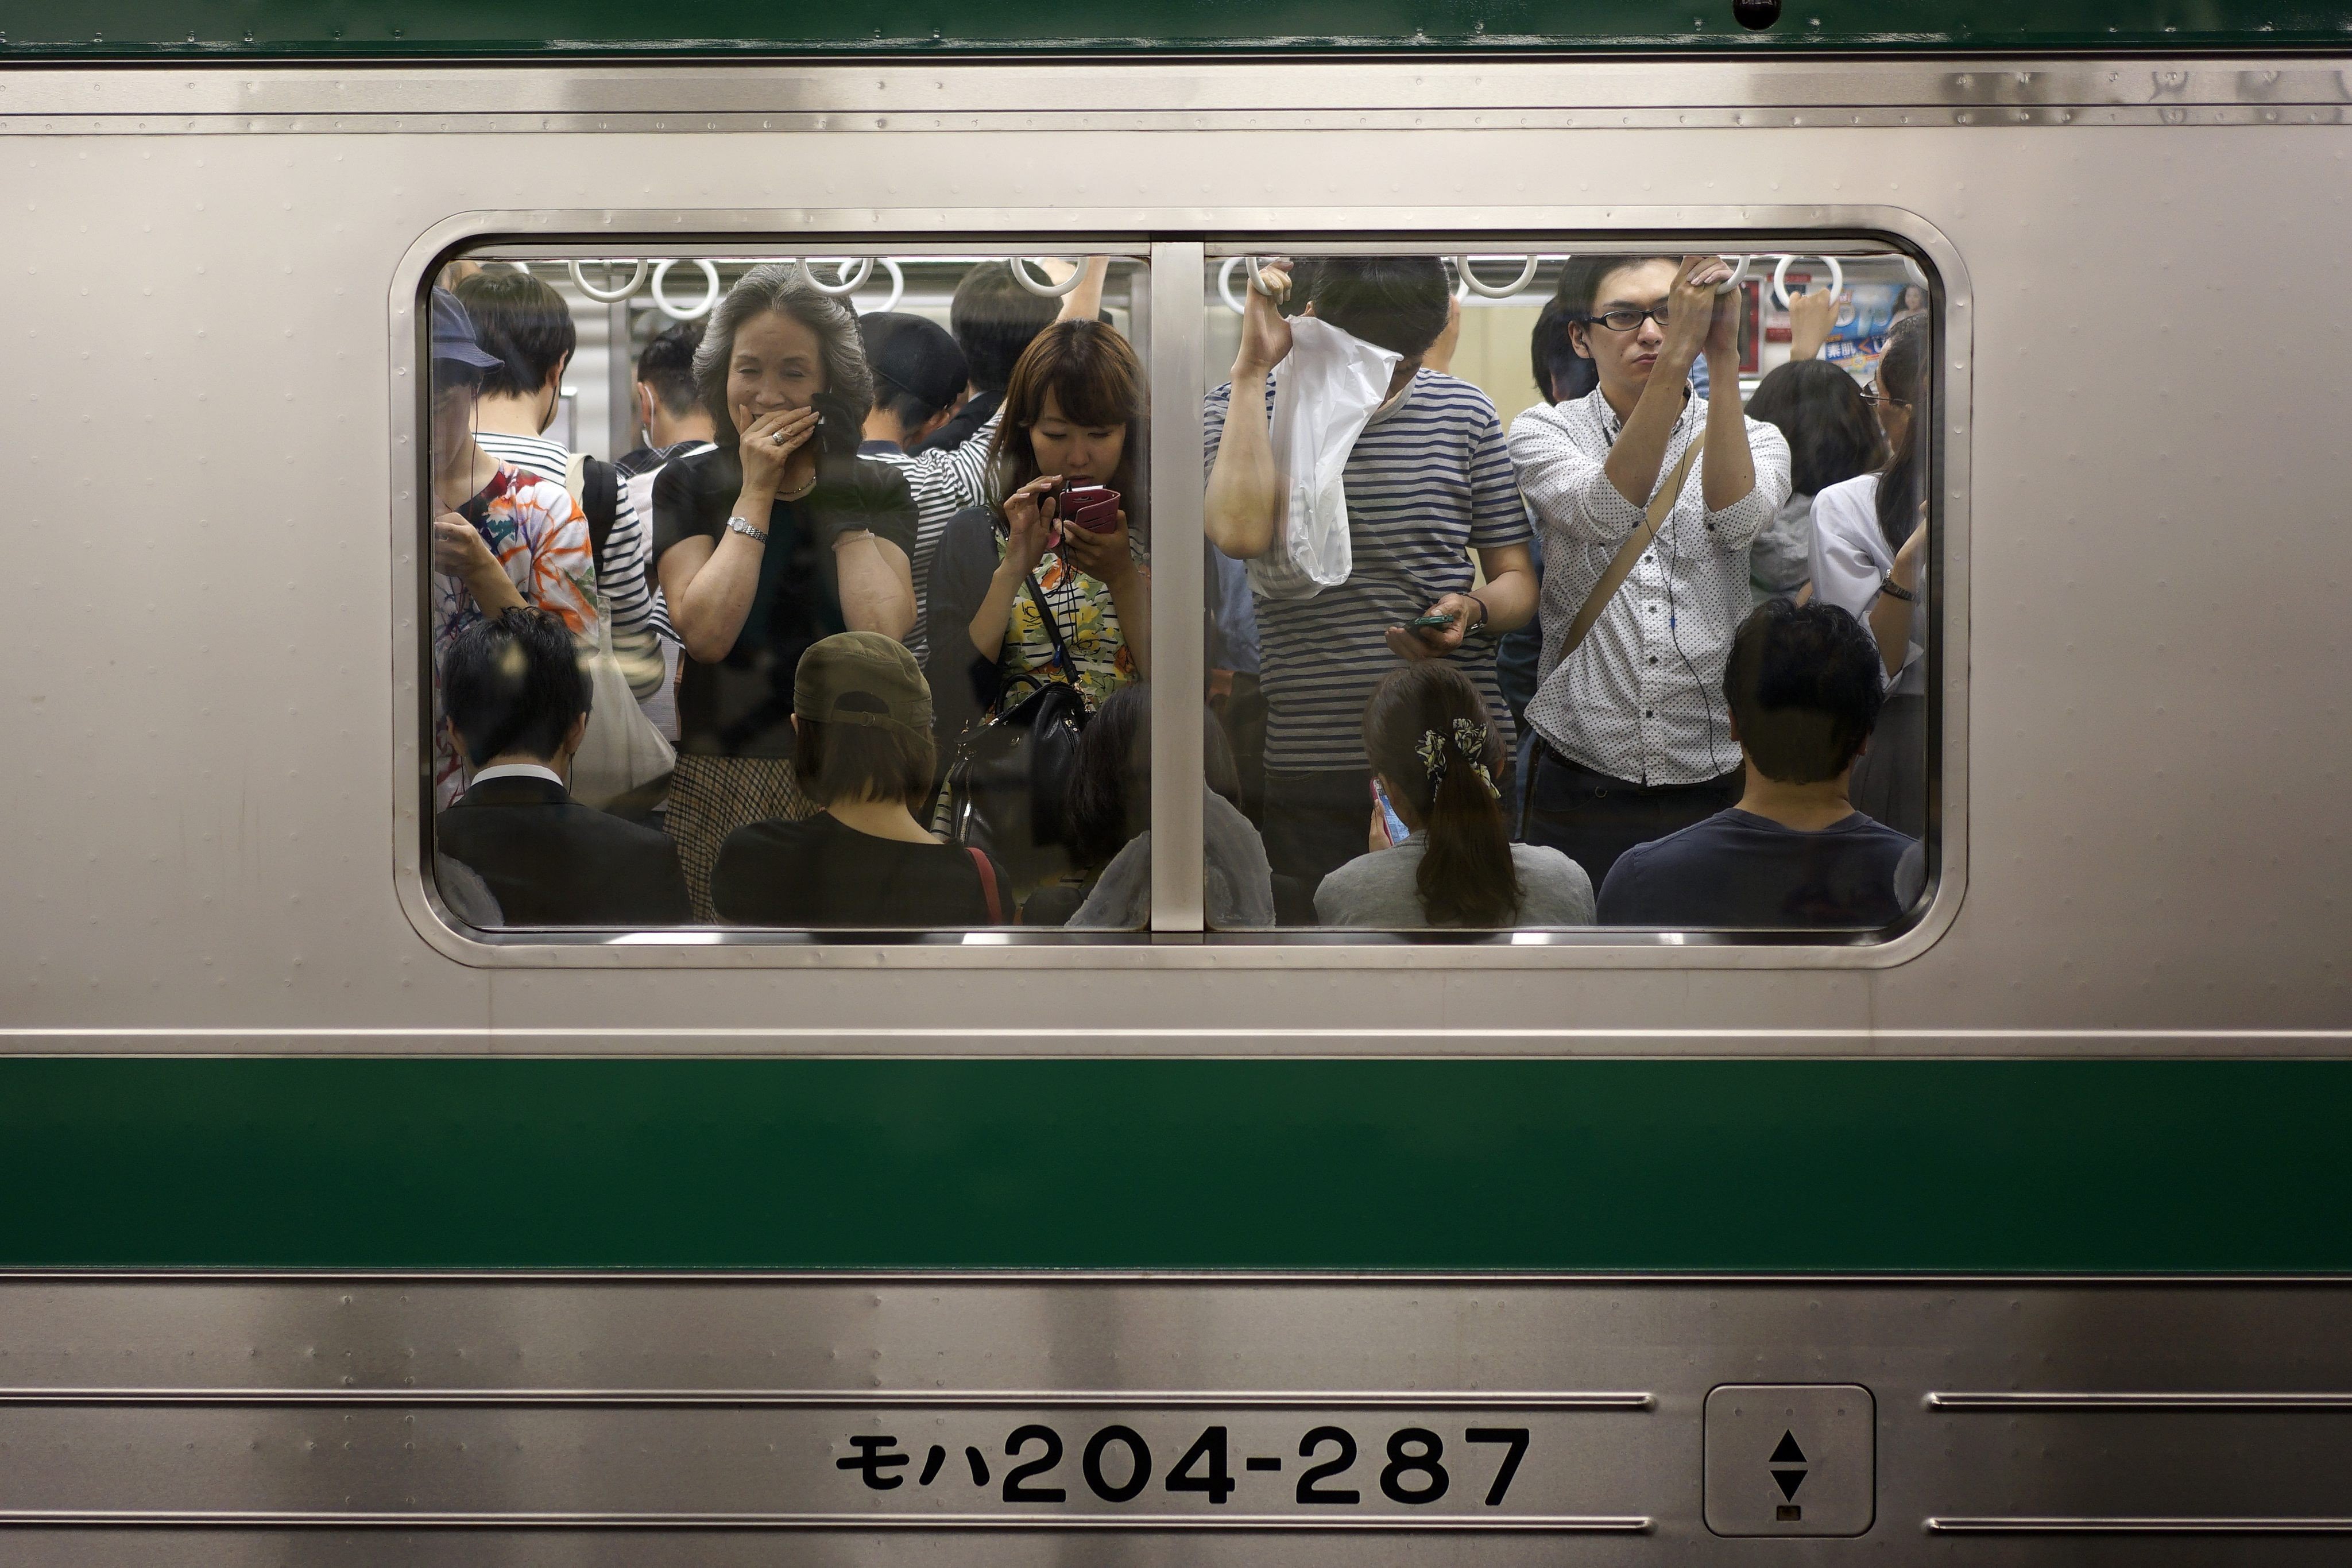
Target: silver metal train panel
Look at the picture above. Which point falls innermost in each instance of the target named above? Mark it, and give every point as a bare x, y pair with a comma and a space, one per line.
204, 683
381, 1418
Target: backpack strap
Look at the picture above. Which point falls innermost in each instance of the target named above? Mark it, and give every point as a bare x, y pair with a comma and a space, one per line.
1620, 567
987, 869
601, 501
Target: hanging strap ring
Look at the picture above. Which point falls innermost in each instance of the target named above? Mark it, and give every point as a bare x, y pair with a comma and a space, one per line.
897, 284
1781, 277
1471, 280
852, 277
676, 312
1049, 290
609, 296
1737, 273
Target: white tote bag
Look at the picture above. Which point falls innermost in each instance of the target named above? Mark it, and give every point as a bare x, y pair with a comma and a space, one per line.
1327, 387
621, 750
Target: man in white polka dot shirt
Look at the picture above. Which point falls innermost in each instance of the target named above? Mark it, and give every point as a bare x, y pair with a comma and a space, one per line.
1632, 738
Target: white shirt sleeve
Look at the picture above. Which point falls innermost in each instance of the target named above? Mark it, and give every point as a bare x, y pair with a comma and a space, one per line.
1566, 485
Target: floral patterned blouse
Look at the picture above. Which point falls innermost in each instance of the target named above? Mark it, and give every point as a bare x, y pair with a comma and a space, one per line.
539, 534
965, 688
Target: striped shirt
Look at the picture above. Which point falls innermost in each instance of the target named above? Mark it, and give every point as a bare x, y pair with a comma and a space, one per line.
1429, 479
944, 482
638, 470
621, 565
1641, 699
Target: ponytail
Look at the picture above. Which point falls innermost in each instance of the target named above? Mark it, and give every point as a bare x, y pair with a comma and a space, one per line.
1903, 374
1428, 734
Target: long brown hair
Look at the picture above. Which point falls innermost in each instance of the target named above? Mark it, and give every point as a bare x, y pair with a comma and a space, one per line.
1466, 875
1097, 380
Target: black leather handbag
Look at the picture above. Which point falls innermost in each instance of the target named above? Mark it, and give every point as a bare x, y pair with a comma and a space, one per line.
1008, 786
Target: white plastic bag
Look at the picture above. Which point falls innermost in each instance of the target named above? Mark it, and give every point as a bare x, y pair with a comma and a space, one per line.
621, 750
1326, 388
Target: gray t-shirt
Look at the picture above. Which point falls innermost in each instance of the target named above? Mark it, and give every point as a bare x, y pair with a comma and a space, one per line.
1378, 890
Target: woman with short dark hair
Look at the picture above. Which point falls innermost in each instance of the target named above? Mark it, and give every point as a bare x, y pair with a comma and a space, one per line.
862, 716
775, 538
1831, 438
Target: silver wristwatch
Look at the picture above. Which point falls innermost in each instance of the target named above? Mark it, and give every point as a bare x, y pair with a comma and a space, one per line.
738, 525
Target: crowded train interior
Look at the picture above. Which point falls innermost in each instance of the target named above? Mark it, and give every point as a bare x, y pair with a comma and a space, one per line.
1549, 590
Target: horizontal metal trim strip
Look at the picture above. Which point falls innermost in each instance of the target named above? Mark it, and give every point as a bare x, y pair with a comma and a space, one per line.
1998, 117
1255, 1278
2092, 1526
234, 1519
2139, 1400
828, 1400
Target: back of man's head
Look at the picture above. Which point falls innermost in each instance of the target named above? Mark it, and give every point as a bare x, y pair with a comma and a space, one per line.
512, 686
994, 320
1395, 302
917, 368
666, 366
522, 321
1804, 689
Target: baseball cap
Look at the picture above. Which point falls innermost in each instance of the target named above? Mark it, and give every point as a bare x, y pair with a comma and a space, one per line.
453, 334
863, 678
915, 355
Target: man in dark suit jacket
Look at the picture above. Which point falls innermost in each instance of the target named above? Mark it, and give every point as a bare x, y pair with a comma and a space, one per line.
517, 700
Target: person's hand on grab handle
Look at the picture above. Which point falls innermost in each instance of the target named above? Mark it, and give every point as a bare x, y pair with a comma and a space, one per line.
1691, 310
1417, 642
769, 445
458, 549
1811, 316
1029, 514
1106, 558
1265, 335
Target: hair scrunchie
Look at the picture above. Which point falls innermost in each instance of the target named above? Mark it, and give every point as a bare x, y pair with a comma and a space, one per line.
1470, 739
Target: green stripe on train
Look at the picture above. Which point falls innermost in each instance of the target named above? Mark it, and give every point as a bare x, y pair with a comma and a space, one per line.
129, 28
1556, 1165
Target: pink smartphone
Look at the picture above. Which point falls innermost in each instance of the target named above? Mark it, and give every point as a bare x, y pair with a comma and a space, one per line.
1094, 507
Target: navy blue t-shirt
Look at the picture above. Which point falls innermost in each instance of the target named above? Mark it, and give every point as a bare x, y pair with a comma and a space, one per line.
1738, 869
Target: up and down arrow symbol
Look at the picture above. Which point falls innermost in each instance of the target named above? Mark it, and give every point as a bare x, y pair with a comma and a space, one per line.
1788, 1466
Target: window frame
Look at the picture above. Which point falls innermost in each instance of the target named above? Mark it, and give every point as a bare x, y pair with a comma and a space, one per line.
1181, 287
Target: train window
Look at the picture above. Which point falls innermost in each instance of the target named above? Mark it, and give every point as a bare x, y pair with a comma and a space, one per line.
787, 592
1550, 592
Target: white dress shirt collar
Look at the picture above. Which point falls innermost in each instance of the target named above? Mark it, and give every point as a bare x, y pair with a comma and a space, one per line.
517, 771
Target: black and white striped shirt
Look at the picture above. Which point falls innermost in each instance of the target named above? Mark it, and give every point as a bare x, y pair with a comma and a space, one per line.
943, 482
1429, 479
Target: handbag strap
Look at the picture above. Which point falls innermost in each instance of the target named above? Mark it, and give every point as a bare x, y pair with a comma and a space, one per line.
1620, 567
987, 869
1053, 629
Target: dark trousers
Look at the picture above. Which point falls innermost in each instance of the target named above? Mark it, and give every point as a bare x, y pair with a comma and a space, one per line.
1592, 819
1317, 822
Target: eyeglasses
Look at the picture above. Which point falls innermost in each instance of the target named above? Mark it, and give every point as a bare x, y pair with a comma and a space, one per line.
1880, 400
1630, 320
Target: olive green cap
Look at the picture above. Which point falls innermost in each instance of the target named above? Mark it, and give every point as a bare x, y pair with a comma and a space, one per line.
863, 678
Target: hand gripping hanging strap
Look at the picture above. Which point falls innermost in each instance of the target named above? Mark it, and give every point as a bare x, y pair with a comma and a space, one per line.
1621, 567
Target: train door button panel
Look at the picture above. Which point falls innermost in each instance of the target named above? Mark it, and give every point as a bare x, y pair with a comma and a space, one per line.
1791, 1458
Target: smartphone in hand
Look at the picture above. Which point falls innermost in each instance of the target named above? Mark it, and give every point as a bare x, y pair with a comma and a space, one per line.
1094, 507
1398, 832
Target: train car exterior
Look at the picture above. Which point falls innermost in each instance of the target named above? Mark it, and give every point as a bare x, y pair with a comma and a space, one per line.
346, 1231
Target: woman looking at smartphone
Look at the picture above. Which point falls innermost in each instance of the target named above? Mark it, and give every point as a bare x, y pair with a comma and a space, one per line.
774, 540
1073, 422
1437, 764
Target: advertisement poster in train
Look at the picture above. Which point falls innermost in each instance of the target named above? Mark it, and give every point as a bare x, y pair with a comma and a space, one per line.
1869, 311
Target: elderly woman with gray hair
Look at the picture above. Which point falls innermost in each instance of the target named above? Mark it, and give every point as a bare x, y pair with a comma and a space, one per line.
777, 539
